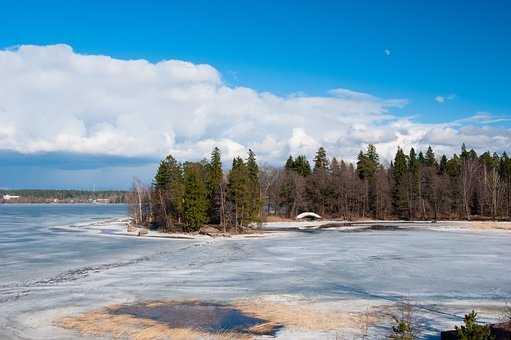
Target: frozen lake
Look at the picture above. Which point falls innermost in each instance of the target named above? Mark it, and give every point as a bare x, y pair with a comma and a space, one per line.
48, 270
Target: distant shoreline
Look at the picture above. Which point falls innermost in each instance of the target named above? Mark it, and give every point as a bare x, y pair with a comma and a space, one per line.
50, 196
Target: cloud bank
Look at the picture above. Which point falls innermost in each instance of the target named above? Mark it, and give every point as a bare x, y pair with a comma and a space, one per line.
53, 100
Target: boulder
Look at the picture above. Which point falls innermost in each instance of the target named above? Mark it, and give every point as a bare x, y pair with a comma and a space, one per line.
210, 231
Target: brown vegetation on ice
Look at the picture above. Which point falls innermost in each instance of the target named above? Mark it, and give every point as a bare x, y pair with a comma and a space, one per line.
190, 319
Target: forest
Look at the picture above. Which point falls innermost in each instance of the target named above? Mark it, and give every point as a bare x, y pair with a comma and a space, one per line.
413, 186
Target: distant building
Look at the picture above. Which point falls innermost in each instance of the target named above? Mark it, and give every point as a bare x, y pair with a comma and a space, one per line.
10, 197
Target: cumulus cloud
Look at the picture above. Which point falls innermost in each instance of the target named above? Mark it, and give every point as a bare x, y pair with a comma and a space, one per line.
53, 99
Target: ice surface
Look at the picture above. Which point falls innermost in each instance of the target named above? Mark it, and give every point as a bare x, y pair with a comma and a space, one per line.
48, 271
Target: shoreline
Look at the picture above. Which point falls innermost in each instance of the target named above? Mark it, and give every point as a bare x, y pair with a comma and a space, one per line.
121, 227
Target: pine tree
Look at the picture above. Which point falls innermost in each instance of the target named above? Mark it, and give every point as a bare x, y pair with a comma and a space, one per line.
471, 330
168, 192
317, 184
162, 177
321, 160
453, 170
195, 196
215, 181
442, 167
430, 159
290, 164
301, 166
429, 181
421, 159
254, 194
414, 182
400, 185
372, 155
367, 166
238, 191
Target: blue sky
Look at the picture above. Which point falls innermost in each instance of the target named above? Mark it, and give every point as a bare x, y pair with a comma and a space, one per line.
458, 52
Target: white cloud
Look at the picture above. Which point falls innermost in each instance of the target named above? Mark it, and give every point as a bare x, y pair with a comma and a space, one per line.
54, 99
443, 99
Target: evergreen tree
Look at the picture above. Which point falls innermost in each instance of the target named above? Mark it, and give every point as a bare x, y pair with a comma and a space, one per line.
368, 162
442, 166
453, 170
367, 165
414, 182
428, 175
372, 155
254, 194
317, 185
290, 164
162, 177
195, 196
421, 159
169, 190
301, 166
471, 330
321, 160
400, 187
238, 191
430, 157
215, 180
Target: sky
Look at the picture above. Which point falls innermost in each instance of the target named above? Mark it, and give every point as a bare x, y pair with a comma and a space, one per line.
94, 93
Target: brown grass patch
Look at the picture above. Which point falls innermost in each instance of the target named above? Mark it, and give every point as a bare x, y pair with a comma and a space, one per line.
102, 323
484, 225
154, 320
277, 219
303, 315
167, 320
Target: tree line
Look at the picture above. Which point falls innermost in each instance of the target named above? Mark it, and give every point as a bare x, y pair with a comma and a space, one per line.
414, 186
64, 195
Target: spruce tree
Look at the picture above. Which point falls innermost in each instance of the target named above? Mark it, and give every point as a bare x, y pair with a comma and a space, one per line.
317, 185
214, 181
321, 160
430, 159
414, 182
400, 187
290, 164
442, 166
169, 190
253, 187
429, 181
238, 191
195, 196
302, 166
162, 177
367, 164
